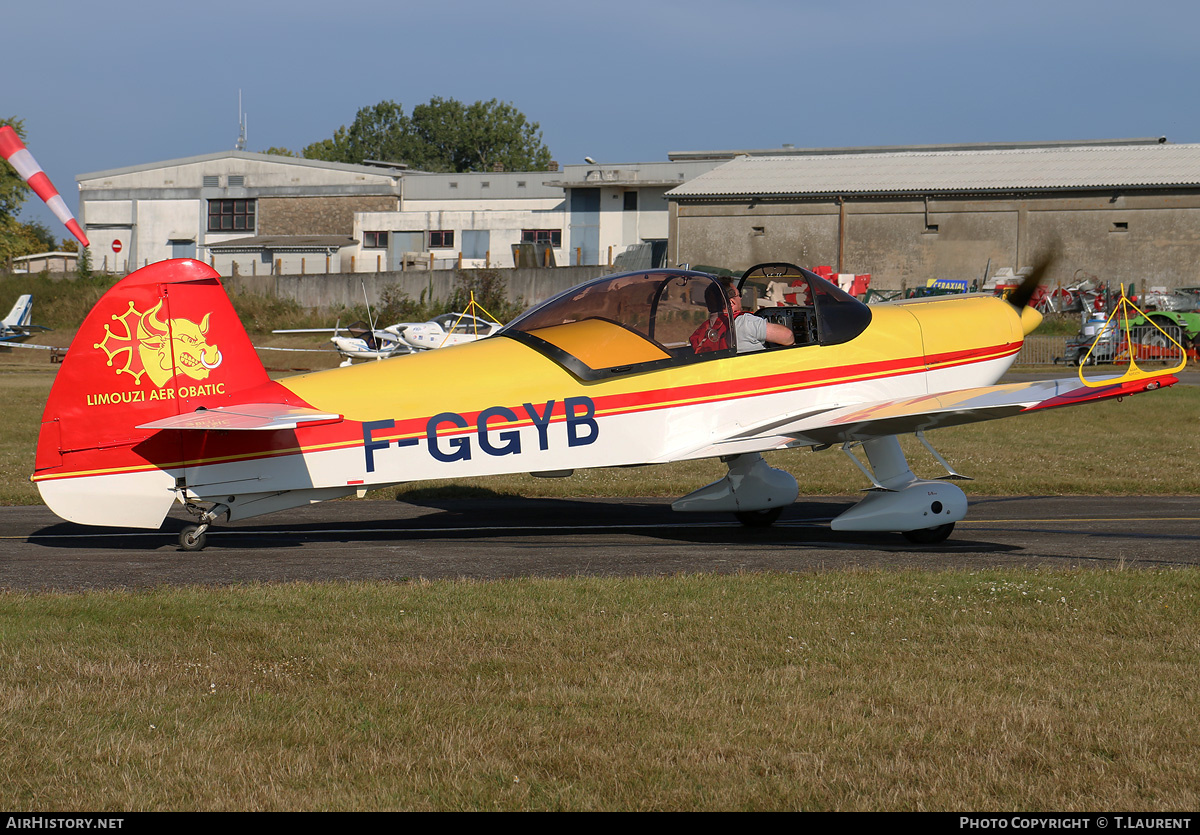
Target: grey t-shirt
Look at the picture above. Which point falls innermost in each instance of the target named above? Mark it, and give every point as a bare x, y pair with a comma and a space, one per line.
751, 333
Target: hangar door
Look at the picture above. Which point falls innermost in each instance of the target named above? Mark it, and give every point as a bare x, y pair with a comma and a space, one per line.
585, 225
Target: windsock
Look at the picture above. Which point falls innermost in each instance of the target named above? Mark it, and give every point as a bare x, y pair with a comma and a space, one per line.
14, 150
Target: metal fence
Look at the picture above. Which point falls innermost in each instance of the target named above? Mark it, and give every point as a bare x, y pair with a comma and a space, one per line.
1148, 345
1042, 350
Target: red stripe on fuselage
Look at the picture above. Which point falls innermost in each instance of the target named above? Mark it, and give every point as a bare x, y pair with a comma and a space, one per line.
203, 448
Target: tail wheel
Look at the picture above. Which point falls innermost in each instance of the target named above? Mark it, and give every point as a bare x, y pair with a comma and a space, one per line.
929, 536
759, 518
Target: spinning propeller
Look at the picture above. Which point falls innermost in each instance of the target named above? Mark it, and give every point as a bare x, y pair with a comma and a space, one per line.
1020, 298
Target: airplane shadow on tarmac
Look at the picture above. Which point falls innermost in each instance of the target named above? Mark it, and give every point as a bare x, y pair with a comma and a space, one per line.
803, 524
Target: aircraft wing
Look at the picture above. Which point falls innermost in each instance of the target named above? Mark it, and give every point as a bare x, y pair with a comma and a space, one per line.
880, 418
17, 335
296, 350
246, 416
952, 408
8, 343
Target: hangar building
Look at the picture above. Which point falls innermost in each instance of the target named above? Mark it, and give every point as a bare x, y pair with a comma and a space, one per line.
1122, 210
259, 207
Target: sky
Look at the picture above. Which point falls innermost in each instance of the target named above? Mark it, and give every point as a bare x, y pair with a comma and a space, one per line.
128, 82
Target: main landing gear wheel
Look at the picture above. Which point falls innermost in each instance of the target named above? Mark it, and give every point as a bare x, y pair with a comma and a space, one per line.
192, 538
929, 536
758, 518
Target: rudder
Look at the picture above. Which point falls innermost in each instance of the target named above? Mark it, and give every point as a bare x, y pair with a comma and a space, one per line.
163, 341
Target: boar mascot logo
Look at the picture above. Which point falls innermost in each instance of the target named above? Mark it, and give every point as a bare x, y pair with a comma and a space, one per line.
157, 349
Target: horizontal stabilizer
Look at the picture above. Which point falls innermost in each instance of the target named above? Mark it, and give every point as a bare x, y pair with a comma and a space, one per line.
246, 416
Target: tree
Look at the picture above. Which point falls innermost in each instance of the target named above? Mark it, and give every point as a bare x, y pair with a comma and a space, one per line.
13, 190
281, 152
16, 238
442, 135
83, 264
379, 133
330, 150
496, 133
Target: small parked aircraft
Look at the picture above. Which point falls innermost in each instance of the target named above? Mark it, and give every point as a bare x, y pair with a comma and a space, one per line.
360, 341
446, 329
16, 326
363, 342
162, 399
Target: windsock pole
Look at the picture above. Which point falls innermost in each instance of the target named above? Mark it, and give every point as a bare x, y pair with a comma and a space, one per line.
18, 156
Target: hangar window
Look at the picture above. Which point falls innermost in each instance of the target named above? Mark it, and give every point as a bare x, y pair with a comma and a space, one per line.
553, 237
1120, 226
441, 239
231, 215
375, 240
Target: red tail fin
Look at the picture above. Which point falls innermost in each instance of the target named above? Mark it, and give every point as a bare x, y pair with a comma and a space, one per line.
163, 341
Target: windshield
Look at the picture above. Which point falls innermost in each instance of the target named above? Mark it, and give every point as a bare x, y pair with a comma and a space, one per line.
836, 316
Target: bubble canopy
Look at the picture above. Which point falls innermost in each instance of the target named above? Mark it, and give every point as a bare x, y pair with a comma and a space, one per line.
642, 321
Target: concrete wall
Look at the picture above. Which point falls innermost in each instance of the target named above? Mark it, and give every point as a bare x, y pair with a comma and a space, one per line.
329, 292
329, 215
907, 241
504, 229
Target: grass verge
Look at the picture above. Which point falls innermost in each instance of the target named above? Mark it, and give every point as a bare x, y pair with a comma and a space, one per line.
995, 690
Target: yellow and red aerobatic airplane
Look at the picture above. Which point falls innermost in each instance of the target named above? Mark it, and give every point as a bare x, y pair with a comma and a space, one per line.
162, 399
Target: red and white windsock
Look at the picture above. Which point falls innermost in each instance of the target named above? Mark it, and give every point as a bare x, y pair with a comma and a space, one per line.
14, 150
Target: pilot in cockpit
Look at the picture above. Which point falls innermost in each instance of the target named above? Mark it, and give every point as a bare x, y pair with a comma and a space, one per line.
753, 333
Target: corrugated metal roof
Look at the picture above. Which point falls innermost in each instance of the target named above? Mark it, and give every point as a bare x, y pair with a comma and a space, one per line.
480, 185
375, 170
951, 171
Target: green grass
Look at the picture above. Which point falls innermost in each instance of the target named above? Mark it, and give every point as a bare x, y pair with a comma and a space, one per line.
1060, 324
997, 690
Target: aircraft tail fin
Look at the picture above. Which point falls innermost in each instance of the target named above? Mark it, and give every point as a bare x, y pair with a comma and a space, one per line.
21, 315
164, 341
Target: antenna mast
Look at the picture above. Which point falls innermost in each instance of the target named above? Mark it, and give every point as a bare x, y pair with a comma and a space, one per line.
241, 142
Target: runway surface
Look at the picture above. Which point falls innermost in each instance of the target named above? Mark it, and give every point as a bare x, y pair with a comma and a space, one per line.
499, 538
